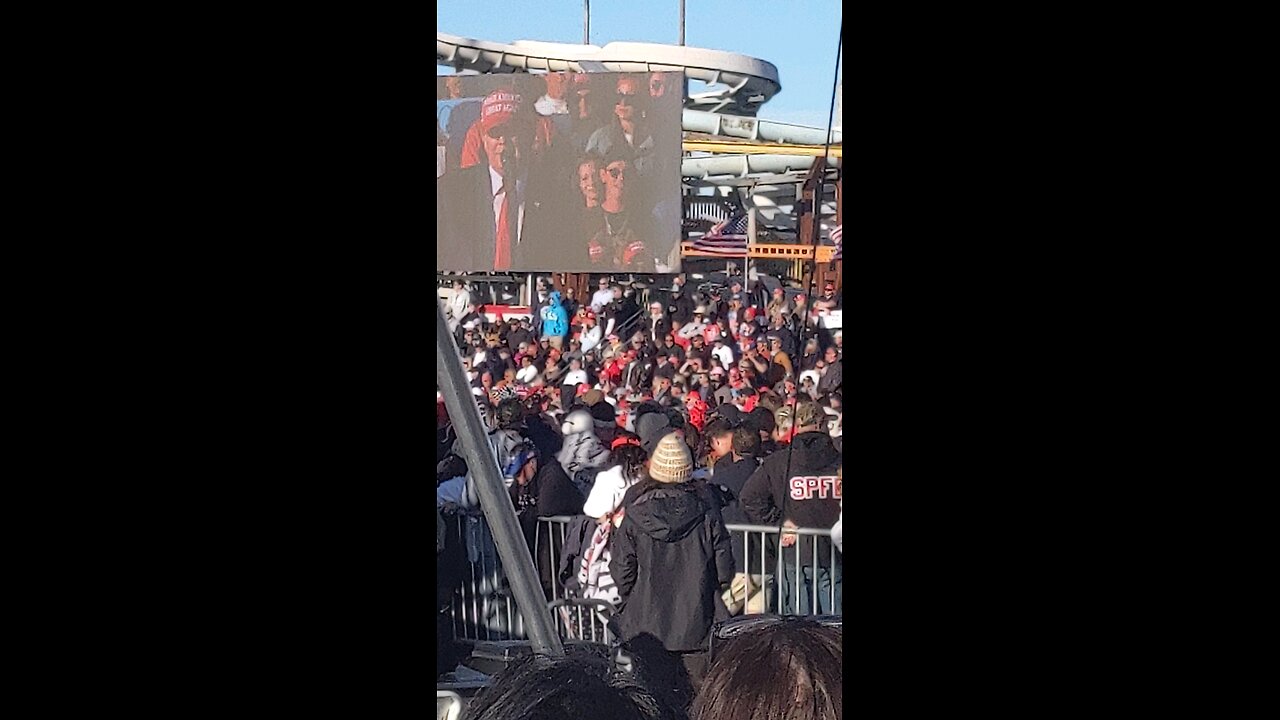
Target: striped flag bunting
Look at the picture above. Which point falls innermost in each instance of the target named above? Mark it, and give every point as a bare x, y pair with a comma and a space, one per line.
726, 238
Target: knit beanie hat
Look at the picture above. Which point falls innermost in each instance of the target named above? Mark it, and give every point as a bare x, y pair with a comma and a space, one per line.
671, 461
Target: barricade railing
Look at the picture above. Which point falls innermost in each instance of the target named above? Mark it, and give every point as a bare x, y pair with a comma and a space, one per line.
800, 577
583, 619
483, 608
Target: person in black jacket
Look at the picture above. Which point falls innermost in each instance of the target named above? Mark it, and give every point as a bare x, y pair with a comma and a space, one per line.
798, 486
655, 325
833, 378
680, 306
671, 559
730, 472
537, 490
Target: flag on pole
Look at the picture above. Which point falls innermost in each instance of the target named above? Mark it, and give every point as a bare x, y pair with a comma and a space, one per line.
726, 238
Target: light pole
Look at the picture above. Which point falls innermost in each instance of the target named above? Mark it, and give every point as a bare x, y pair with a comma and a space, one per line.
684, 80
682, 22
586, 22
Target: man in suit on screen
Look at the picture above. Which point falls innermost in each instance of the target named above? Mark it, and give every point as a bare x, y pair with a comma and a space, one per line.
486, 202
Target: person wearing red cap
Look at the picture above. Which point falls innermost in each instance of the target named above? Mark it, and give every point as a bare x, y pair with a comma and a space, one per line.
800, 309
488, 205
749, 324
829, 300
591, 333
777, 307
613, 370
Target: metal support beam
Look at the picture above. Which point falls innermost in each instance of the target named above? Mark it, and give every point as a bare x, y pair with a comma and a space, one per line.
486, 480
809, 199
743, 148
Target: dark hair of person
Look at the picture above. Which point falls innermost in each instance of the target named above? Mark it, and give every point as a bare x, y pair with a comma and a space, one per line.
716, 428
769, 401
746, 442
580, 685
647, 407
451, 467
510, 414
632, 459
789, 670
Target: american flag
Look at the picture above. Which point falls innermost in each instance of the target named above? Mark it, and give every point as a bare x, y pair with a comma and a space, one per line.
726, 238
836, 233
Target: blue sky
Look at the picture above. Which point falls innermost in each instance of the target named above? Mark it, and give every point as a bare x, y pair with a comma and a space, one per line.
798, 36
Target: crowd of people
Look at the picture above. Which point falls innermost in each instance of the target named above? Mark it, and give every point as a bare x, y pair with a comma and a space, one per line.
656, 429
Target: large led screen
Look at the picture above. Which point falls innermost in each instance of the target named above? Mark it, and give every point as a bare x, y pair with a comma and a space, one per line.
561, 172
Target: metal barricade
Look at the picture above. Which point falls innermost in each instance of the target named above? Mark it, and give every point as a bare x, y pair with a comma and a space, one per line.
583, 619
483, 608
799, 575
802, 583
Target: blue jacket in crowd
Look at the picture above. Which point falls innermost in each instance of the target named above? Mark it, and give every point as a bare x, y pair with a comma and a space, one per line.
555, 321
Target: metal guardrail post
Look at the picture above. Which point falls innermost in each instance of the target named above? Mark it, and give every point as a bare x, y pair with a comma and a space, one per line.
487, 481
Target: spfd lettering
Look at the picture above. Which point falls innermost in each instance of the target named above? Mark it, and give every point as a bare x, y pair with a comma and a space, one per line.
807, 487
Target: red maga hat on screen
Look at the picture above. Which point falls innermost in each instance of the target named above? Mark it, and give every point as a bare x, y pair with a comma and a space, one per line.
499, 108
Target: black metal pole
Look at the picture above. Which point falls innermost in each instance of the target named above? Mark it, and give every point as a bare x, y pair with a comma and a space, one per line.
682, 22
586, 22
485, 478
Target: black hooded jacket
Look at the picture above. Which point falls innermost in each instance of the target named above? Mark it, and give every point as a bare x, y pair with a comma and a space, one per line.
808, 493
549, 493
669, 558
728, 481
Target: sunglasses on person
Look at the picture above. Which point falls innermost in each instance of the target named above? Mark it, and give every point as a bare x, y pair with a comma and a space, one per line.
726, 631
615, 173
